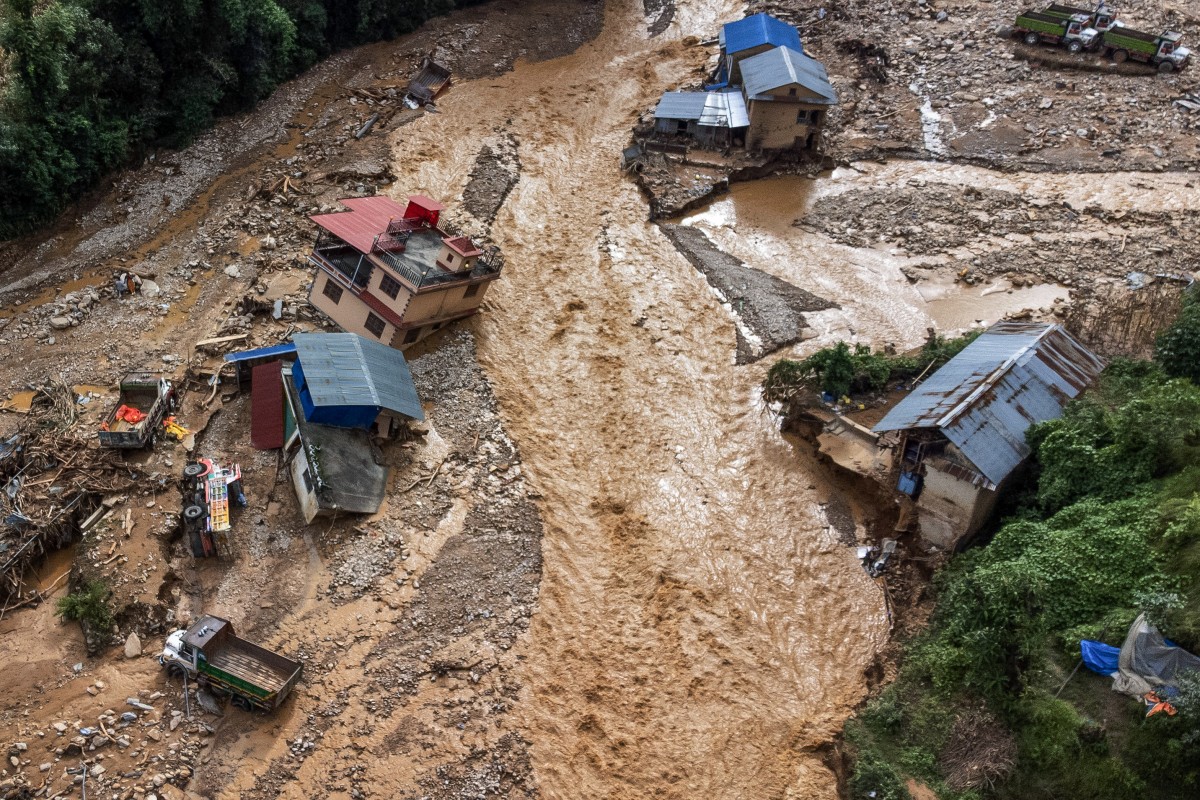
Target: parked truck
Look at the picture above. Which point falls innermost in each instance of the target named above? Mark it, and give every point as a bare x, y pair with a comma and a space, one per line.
1072, 32
136, 420
1162, 50
210, 653
1101, 18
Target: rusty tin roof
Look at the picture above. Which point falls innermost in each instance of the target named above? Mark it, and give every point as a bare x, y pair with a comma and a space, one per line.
985, 398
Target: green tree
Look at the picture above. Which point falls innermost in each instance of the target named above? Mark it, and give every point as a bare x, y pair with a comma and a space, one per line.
1178, 348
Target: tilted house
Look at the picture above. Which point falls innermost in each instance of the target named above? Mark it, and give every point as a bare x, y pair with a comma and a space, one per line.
962, 431
395, 273
788, 95
750, 36
324, 408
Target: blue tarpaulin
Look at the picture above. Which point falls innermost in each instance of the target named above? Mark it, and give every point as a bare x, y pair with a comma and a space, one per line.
1099, 657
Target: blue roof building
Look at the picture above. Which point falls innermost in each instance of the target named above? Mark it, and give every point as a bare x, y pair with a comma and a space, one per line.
750, 36
347, 381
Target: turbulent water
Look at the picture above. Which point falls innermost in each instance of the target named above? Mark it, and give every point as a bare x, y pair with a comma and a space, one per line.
699, 633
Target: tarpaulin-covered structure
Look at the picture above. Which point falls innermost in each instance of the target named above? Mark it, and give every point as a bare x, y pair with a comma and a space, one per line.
1145, 662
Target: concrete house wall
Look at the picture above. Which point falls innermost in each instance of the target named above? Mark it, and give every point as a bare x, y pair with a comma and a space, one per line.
777, 124
349, 312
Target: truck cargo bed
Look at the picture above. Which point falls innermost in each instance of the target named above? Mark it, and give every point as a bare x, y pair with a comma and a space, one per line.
252, 668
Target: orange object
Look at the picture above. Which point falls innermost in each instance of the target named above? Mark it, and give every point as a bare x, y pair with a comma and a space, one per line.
1156, 705
130, 414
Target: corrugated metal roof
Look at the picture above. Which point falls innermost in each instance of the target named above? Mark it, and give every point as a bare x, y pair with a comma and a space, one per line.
757, 30
680, 105
261, 352
345, 369
725, 110
985, 398
714, 109
768, 71
367, 218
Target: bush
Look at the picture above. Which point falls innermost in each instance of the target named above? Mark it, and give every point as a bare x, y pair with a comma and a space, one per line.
1178, 348
89, 607
872, 773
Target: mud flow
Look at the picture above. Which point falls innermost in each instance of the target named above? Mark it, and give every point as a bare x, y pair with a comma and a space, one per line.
602, 571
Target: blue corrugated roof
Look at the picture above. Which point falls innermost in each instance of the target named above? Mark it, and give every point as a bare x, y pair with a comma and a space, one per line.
768, 71
344, 369
757, 30
985, 398
262, 352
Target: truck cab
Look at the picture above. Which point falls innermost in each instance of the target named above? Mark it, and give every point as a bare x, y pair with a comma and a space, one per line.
1170, 51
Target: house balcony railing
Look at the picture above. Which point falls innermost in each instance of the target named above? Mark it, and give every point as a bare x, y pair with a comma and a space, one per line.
490, 263
353, 268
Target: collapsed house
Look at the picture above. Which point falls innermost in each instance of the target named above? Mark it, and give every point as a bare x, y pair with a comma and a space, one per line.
325, 408
958, 439
394, 273
768, 94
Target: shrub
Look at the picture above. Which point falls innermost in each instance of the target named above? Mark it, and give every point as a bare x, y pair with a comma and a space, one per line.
89, 606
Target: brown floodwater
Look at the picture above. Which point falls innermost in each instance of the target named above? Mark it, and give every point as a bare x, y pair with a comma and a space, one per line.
699, 631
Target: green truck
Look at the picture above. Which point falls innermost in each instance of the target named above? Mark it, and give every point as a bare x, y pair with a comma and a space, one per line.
1102, 18
210, 653
1073, 32
1162, 50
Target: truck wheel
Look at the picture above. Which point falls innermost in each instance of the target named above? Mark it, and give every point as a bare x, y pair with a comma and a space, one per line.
194, 470
1032, 38
1166, 67
1121, 56
242, 703
1075, 46
193, 513
175, 671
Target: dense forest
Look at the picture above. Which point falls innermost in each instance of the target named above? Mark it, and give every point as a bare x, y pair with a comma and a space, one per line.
87, 86
986, 704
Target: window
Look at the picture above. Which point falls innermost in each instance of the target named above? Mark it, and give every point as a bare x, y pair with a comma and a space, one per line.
472, 290
389, 286
449, 258
791, 92
307, 480
375, 325
412, 336
332, 290
801, 116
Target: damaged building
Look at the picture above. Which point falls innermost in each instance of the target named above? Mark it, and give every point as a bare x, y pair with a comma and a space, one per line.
326, 400
768, 95
956, 442
397, 273
958, 439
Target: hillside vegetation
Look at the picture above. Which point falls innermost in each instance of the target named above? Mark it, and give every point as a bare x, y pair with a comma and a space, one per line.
1109, 527
91, 84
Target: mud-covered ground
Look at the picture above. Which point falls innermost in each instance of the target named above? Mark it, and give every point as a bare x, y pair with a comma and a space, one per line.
601, 571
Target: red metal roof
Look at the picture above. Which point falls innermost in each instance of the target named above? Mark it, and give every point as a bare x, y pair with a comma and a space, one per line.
381, 308
425, 203
367, 218
266, 406
463, 246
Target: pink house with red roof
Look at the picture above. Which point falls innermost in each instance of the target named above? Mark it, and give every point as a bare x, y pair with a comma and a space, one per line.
395, 273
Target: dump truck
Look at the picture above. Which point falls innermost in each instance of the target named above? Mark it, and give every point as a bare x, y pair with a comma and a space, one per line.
1073, 32
1102, 18
136, 420
210, 653
1162, 50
